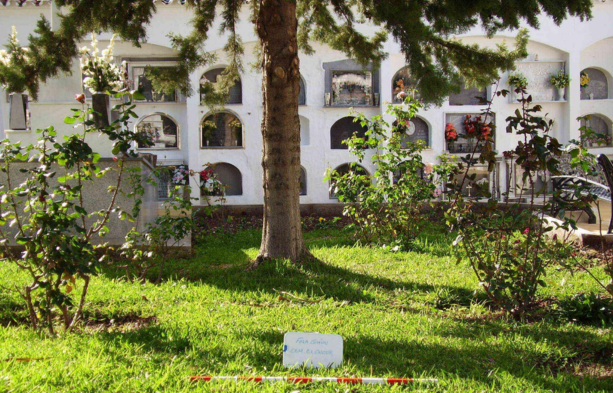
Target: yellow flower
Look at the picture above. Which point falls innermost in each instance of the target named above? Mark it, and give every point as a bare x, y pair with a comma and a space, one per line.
585, 80
321, 219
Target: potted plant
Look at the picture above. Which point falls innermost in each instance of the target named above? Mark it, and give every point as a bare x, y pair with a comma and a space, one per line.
208, 128
102, 76
518, 80
237, 131
15, 82
560, 81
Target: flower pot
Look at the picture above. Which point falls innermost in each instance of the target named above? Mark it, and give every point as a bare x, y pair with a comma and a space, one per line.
18, 119
102, 109
561, 93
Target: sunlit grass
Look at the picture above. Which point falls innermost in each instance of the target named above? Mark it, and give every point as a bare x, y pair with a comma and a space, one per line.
404, 314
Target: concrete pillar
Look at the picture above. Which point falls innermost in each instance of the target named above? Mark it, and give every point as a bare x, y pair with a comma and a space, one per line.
573, 94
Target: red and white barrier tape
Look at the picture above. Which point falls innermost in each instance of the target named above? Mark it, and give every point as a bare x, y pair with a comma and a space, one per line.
301, 380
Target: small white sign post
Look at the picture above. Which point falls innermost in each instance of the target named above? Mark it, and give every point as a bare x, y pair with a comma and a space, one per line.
312, 349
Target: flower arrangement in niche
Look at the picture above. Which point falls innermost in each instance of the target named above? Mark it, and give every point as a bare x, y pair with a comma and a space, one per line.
477, 128
237, 128
100, 71
559, 80
208, 128
518, 80
180, 175
210, 185
451, 134
149, 132
402, 91
585, 79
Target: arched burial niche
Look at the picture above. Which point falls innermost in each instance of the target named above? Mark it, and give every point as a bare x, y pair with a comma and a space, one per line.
403, 82
302, 94
413, 130
221, 129
305, 134
303, 181
344, 129
597, 87
600, 125
229, 176
235, 95
345, 169
161, 130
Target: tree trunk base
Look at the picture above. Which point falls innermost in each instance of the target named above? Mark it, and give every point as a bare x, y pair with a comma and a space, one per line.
305, 257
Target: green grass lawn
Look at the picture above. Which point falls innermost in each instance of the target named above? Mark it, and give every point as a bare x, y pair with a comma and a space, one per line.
405, 314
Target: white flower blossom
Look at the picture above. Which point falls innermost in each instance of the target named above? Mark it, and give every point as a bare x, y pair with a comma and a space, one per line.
14, 35
571, 147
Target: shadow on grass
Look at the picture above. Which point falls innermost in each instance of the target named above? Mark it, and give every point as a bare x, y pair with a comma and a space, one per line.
222, 262
367, 355
12, 312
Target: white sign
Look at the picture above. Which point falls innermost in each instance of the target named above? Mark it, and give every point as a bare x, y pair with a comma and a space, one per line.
312, 349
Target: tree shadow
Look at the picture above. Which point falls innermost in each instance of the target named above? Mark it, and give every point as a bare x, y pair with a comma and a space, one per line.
223, 264
12, 312
476, 360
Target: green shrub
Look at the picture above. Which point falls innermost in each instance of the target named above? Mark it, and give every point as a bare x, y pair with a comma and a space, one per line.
385, 208
506, 240
161, 239
47, 215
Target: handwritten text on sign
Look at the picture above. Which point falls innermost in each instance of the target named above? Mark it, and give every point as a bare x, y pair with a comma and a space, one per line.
312, 349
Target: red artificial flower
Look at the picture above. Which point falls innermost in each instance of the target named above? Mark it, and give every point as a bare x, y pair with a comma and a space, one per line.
206, 174
115, 159
526, 231
80, 98
486, 131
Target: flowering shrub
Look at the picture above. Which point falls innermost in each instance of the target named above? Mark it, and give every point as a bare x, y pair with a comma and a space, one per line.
506, 242
385, 209
102, 74
45, 214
